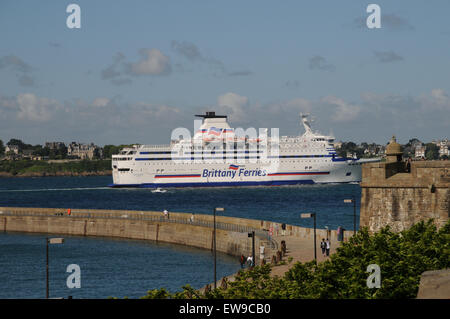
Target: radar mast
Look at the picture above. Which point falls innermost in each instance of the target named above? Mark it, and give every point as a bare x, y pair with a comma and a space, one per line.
305, 122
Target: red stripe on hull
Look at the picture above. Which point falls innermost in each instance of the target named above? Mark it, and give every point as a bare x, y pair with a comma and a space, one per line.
283, 174
175, 176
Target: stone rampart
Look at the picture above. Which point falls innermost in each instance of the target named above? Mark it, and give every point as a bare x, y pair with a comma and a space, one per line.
392, 196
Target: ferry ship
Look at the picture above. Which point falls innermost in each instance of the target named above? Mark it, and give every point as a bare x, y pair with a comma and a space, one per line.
218, 155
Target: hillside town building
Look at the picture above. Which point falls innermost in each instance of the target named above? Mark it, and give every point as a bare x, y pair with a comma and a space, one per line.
83, 151
55, 145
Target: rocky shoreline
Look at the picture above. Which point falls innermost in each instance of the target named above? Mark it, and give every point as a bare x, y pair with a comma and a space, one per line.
51, 174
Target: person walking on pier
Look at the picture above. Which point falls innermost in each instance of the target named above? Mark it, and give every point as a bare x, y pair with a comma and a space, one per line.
323, 245
250, 261
262, 252
328, 247
242, 261
408, 165
283, 229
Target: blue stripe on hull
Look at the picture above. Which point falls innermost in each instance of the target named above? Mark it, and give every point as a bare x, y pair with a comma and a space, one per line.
216, 184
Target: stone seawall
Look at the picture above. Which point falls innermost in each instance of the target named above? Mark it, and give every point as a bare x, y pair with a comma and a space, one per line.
123, 224
232, 233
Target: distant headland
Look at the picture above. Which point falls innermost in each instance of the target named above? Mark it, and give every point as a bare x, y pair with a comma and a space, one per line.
18, 159
29, 168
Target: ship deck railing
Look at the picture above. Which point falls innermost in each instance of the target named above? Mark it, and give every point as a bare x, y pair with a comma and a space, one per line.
156, 146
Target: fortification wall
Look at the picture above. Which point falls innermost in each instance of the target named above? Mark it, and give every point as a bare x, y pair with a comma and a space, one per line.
390, 196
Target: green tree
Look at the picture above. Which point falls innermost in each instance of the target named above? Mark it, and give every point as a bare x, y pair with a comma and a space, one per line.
409, 148
41, 151
97, 153
19, 143
350, 147
15, 141
412, 142
432, 151
2, 148
109, 150
62, 152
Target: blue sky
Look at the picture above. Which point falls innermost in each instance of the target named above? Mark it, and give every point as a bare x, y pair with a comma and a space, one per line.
137, 69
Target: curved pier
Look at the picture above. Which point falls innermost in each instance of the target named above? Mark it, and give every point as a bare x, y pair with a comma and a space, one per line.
178, 228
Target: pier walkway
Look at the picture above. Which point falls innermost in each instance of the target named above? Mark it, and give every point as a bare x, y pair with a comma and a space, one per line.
299, 248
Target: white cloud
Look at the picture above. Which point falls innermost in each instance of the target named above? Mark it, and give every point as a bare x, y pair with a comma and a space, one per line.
7, 103
387, 56
154, 111
439, 99
343, 111
188, 50
318, 62
112, 70
33, 108
100, 102
22, 69
374, 117
191, 52
234, 105
299, 105
15, 63
153, 62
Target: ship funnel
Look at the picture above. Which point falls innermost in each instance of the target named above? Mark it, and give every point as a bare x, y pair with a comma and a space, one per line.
211, 115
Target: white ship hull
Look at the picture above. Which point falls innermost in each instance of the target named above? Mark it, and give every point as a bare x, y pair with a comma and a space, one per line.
306, 159
337, 173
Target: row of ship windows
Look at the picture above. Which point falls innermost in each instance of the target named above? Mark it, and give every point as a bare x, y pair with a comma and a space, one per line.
201, 152
218, 151
226, 157
189, 163
213, 152
331, 154
217, 158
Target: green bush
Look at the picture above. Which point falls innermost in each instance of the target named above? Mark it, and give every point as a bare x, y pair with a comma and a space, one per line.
27, 166
402, 258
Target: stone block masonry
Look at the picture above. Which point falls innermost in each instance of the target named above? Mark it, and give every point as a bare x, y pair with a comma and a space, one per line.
393, 197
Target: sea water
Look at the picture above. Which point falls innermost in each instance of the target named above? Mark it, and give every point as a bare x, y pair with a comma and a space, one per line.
119, 268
